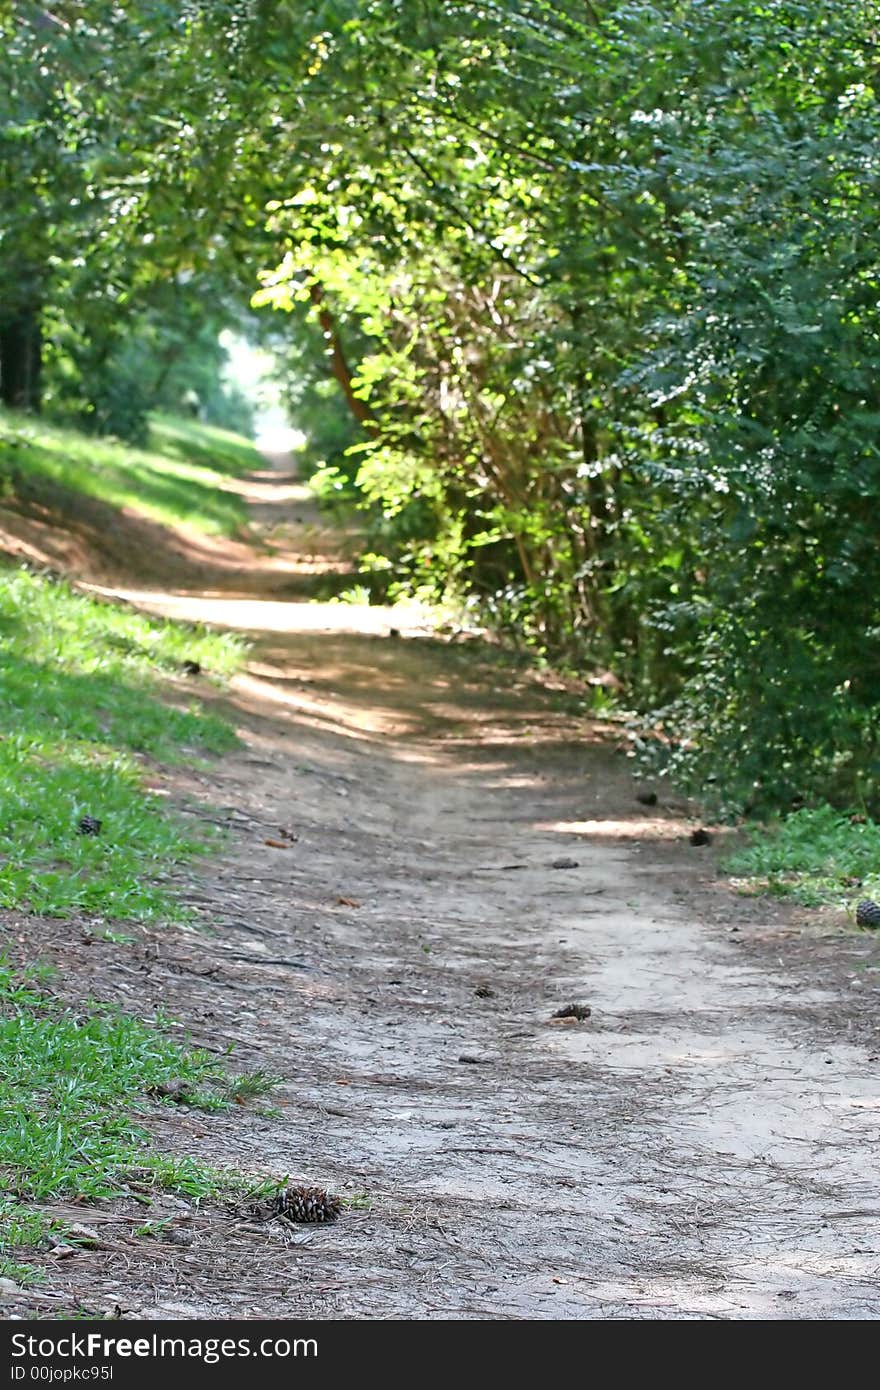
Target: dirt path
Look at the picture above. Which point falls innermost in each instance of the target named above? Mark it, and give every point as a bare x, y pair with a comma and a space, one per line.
468, 858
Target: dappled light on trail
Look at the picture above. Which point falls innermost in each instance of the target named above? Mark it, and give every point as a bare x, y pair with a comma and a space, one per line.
266, 615
632, 828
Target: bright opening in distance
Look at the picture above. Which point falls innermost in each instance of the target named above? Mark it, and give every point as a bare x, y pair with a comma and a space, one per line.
250, 369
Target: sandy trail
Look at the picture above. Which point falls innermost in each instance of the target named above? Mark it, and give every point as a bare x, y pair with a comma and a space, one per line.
470, 857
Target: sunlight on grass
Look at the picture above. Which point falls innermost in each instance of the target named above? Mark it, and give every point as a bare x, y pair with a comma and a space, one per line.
178, 480
203, 446
80, 687
92, 695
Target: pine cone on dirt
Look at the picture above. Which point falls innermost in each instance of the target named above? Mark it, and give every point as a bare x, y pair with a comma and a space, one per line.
576, 1011
868, 914
302, 1204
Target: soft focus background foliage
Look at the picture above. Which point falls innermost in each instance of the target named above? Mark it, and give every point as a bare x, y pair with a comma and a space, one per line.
579, 300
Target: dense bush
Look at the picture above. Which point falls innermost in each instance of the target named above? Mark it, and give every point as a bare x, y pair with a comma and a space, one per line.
612, 279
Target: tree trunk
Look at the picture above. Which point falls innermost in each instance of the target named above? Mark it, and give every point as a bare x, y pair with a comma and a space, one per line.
341, 370
21, 358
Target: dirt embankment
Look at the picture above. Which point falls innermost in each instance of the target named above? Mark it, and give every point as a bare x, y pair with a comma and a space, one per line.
429, 857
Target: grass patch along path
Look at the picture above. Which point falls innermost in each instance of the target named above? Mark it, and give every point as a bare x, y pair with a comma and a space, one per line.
89, 691
818, 856
180, 478
71, 1085
80, 698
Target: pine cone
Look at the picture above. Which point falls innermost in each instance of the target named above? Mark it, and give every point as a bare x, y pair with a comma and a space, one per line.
303, 1204
89, 825
868, 914
578, 1011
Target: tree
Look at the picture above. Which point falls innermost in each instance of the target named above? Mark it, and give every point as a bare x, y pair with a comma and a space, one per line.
613, 268
595, 283
119, 126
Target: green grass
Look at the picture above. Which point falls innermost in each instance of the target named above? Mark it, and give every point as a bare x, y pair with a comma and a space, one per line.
74, 1091
178, 479
69, 1084
93, 698
814, 857
80, 696
204, 446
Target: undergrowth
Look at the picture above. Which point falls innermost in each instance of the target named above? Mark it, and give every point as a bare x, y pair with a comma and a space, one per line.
815, 856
